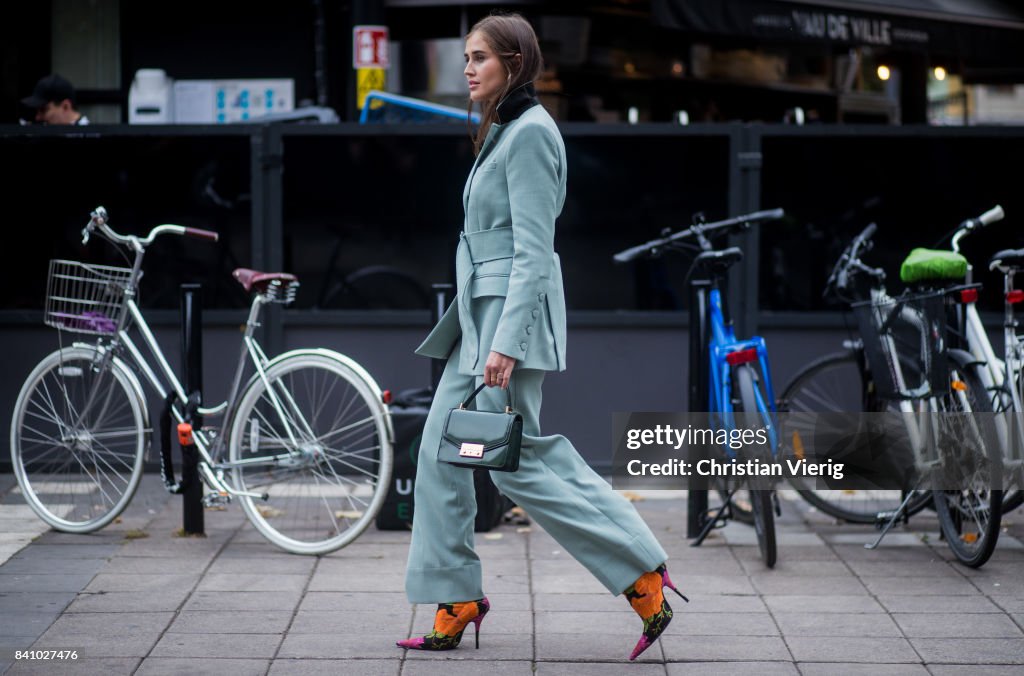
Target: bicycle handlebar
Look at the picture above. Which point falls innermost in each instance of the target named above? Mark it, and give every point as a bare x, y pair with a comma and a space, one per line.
993, 215
98, 221
198, 233
699, 230
850, 260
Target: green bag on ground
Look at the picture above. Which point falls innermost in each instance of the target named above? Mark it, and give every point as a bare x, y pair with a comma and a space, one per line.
924, 264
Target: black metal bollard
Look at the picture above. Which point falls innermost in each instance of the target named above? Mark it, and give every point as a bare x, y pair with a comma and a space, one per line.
192, 367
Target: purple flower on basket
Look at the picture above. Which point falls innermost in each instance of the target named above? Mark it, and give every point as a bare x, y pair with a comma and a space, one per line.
95, 321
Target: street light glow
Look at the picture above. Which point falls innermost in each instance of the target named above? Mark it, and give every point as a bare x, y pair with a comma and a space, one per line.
883, 72
940, 73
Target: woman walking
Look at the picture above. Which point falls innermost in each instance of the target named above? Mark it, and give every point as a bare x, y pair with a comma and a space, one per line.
506, 328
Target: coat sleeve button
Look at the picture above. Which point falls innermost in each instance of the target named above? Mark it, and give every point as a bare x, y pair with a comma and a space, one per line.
528, 329
522, 346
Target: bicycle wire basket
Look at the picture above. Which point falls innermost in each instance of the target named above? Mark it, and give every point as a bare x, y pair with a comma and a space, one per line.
85, 298
905, 345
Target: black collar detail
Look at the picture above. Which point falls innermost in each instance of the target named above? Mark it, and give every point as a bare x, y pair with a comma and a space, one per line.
516, 102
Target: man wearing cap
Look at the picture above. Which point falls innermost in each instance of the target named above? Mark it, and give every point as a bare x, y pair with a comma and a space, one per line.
53, 99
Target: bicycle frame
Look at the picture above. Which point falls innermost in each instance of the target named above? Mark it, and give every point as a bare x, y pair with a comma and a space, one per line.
722, 343
212, 450
999, 376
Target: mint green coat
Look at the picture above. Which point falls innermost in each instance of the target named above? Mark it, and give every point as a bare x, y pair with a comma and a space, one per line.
514, 193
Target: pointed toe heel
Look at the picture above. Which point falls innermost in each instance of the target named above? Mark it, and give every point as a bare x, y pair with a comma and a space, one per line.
450, 623
647, 599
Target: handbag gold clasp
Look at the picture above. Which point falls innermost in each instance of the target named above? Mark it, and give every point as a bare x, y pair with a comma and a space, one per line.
468, 450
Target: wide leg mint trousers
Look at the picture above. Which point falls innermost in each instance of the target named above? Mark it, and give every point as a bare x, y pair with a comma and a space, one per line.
559, 491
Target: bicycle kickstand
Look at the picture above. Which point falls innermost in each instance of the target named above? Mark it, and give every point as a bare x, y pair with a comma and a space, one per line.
893, 517
719, 520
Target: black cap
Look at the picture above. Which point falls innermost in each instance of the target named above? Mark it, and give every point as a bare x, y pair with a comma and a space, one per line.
50, 88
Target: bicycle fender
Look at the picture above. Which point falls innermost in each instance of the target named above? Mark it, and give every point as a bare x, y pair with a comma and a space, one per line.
965, 358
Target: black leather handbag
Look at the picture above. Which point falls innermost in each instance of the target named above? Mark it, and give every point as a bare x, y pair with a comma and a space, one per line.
482, 439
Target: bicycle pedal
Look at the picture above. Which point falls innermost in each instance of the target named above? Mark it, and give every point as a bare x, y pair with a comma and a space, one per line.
211, 500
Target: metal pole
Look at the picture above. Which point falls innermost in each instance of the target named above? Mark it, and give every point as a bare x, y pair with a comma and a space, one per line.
697, 496
319, 49
192, 365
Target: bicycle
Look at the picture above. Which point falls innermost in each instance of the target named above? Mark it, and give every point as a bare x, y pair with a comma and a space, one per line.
1002, 378
305, 444
937, 389
739, 386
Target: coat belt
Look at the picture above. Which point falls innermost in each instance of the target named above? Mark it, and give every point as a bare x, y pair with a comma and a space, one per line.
475, 248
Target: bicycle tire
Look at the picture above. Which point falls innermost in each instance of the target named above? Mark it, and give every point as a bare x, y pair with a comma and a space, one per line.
79, 467
762, 509
333, 450
970, 517
834, 383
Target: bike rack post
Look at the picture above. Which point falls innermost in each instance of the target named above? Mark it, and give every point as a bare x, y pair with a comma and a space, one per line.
441, 293
192, 366
697, 497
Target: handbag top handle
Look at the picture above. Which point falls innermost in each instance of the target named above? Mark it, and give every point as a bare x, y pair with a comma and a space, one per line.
470, 398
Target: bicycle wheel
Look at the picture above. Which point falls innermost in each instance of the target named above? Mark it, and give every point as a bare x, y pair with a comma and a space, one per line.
835, 384
969, 516
318, 444
744, 383
78, 436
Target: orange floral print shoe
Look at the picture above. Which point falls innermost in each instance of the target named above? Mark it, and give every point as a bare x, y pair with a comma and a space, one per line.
450, 622
648, 600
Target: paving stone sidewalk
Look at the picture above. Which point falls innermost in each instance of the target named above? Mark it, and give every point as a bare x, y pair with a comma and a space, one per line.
233, 604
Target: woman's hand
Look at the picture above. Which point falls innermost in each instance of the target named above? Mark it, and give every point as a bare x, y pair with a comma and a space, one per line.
498, 369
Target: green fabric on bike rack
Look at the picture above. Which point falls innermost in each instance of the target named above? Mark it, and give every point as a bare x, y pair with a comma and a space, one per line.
925, 264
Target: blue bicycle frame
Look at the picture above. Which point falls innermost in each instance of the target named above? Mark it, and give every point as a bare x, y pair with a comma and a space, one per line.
723, 342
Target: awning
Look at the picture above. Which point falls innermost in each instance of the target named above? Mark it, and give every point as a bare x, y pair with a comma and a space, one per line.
986, 30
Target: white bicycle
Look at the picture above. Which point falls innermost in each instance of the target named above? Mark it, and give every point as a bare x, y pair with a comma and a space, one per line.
305, 443
1002, 378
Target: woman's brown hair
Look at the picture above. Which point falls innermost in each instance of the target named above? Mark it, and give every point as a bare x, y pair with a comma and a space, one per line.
508, 35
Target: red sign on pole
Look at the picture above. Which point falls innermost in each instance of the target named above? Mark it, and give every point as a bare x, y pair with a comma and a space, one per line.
370, 47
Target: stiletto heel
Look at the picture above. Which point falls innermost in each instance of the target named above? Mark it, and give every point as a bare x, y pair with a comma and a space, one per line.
668, 582
647, 598
450, 623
